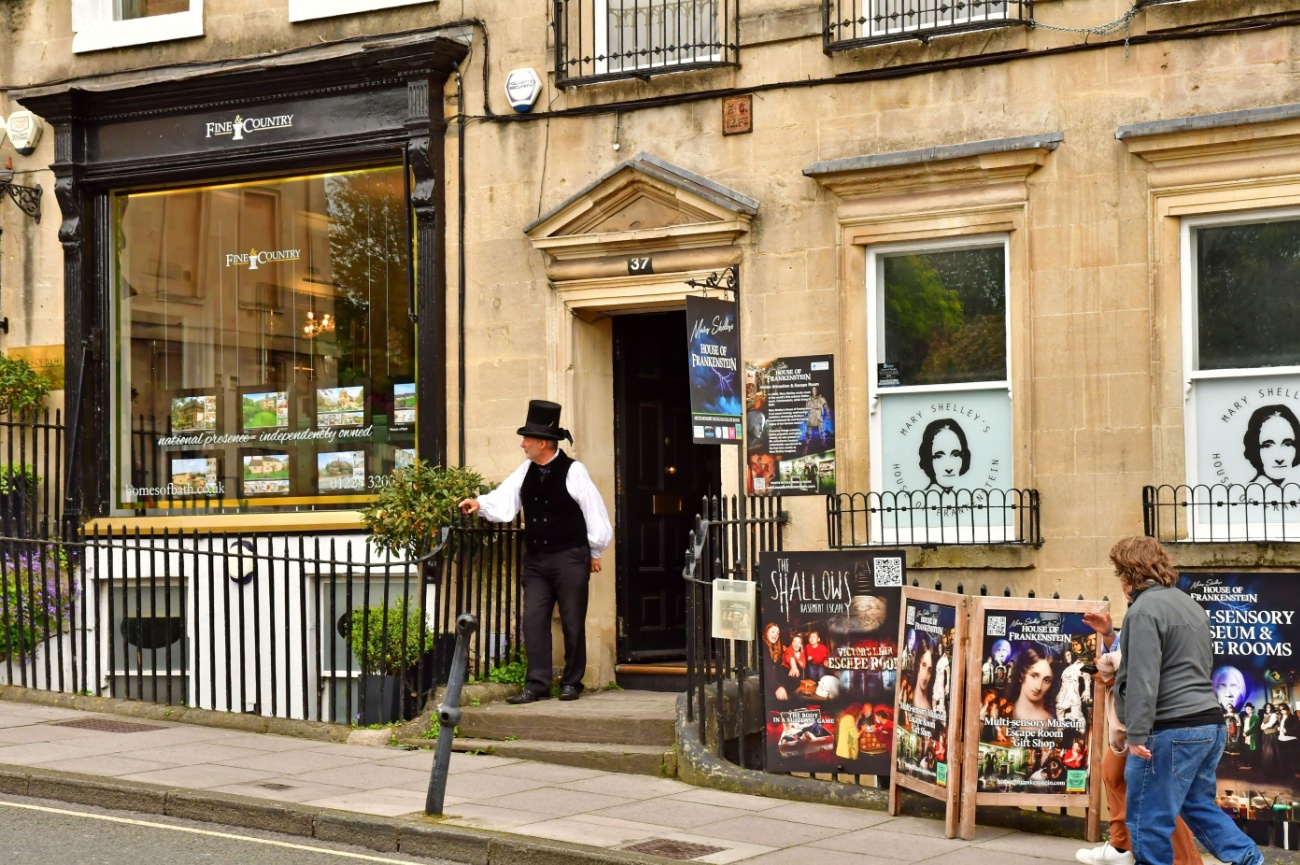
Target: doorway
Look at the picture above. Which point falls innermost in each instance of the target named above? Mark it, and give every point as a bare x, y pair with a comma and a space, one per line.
661, 477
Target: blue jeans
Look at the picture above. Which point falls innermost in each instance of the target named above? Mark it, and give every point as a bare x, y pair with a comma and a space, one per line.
1179, 779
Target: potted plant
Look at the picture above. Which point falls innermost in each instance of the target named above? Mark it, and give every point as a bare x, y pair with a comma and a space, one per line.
22, 395
22, 389
418, 502
388, 644
18, 485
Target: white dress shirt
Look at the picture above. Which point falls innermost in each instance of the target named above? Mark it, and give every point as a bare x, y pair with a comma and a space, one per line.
503, 504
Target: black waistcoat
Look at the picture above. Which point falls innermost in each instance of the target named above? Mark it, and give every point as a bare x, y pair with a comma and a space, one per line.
553, 521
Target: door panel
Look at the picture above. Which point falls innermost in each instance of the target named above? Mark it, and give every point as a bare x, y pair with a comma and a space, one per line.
662, 477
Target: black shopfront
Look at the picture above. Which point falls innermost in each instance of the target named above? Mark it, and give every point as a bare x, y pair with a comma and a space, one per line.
254, 278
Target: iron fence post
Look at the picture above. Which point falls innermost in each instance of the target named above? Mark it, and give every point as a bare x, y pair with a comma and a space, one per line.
449, 714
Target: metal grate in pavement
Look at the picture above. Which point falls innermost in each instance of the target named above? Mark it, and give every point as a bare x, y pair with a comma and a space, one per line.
107, 725
669, 849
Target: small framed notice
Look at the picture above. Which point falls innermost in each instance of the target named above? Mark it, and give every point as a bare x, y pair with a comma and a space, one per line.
735, 609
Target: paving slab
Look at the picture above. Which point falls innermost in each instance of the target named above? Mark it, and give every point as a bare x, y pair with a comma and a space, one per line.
108, 764
554, 802
383, 802
203, 776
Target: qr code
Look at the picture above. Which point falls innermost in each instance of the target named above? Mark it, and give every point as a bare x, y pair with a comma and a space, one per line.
911, 615
889, 572
997, 626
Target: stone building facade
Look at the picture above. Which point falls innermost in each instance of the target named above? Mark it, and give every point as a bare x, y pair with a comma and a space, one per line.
1006, 170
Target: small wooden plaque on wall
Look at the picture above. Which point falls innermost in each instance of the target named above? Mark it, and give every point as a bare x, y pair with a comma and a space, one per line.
738, 114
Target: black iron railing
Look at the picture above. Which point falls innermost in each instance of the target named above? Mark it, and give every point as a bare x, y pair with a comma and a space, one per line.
1222, 512
598, 40
852, 23
729, 535
933, 518
31, 474
309, 628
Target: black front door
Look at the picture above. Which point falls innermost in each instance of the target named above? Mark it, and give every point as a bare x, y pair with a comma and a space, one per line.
661, 478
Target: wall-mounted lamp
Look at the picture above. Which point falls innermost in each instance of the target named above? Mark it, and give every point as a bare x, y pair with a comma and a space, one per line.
28, 198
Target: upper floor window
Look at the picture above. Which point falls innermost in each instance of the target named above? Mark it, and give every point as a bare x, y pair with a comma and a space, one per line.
1242, 357
850, 23
310, 10
599, 39
103, 24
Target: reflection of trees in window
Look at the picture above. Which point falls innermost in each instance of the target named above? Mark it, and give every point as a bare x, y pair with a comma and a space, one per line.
369, 259
945, 316
1246, 293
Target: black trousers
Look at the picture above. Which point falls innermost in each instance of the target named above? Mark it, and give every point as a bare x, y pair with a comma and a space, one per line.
551, 578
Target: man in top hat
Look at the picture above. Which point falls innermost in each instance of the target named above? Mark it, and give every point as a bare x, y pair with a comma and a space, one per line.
566, 528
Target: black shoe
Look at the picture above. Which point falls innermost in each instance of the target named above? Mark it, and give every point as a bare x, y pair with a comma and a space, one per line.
524, 697
569, 693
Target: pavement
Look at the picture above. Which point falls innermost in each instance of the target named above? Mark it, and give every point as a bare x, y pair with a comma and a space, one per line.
498, 810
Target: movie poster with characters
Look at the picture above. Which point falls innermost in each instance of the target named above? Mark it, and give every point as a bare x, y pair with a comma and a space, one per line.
926, 668
828, 650
790, 425
1254, 635
1036, 702
713, 361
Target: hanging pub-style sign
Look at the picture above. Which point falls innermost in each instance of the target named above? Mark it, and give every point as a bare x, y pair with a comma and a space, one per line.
713, 344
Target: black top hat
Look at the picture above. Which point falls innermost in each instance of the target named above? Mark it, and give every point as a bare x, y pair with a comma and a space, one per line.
544, 422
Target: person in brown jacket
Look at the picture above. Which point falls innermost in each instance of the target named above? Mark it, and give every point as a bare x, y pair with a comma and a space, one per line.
1118, 850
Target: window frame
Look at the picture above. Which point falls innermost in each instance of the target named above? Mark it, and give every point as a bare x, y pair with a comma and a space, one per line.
96, 28
314, 10
600, 36
875, 298
1188, 226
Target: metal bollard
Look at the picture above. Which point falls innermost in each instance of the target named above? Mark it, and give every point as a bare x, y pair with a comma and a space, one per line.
449, 714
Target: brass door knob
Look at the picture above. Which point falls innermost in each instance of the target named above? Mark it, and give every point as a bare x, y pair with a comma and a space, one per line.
671, 470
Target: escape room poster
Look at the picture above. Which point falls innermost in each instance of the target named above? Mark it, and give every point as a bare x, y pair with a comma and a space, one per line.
1254, 634
1036, 702
828, 651
790, 425
713, 345
925, 671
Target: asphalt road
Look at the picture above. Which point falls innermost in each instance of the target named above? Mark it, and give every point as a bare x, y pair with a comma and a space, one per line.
40, 832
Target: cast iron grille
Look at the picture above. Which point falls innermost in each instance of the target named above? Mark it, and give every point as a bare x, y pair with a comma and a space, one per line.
108, 725
851, 23
1221, 513
599, 40
933, 518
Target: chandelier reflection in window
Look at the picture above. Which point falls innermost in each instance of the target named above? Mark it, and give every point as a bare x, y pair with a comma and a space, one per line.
318, 324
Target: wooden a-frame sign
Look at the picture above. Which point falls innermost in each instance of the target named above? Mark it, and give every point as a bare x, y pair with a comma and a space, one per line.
1005, 637
928, 739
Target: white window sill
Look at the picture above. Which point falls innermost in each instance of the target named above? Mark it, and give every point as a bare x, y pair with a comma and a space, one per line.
105, 35
310, 10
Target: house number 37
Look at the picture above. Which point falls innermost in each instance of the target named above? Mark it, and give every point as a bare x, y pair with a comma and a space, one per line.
641, 265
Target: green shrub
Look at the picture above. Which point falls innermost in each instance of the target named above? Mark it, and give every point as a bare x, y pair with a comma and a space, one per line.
14, 478
418, 502
22, 389
513, 672
386, 639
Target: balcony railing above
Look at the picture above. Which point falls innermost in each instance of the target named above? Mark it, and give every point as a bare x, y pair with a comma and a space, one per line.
933, 518
600, 40
1222, 513
852, 23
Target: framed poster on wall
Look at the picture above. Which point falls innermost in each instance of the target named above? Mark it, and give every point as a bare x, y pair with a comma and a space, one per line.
828, 646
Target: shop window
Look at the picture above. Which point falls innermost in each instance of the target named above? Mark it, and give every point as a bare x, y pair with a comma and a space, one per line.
104, 24
942, 451
1242, 354
310, 10
265, 350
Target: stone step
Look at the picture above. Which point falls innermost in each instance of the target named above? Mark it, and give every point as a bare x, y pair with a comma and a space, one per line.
643, 718
628, 759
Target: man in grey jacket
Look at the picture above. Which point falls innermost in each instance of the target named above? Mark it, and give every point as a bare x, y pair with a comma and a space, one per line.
1175, 726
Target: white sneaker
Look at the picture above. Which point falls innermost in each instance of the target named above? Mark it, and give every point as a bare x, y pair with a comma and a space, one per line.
1105, 855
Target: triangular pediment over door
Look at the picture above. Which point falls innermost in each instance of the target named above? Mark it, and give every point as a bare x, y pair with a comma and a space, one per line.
645, 206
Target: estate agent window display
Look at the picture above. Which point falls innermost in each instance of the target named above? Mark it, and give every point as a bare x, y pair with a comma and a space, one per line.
265, 354
1241, 359
940, 386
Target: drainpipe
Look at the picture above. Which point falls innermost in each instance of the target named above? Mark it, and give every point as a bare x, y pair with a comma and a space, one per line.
460, 265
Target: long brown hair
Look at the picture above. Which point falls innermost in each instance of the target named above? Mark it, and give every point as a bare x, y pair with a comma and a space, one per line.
1139, 559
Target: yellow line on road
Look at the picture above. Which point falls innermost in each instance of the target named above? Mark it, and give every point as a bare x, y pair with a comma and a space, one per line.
358, 856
